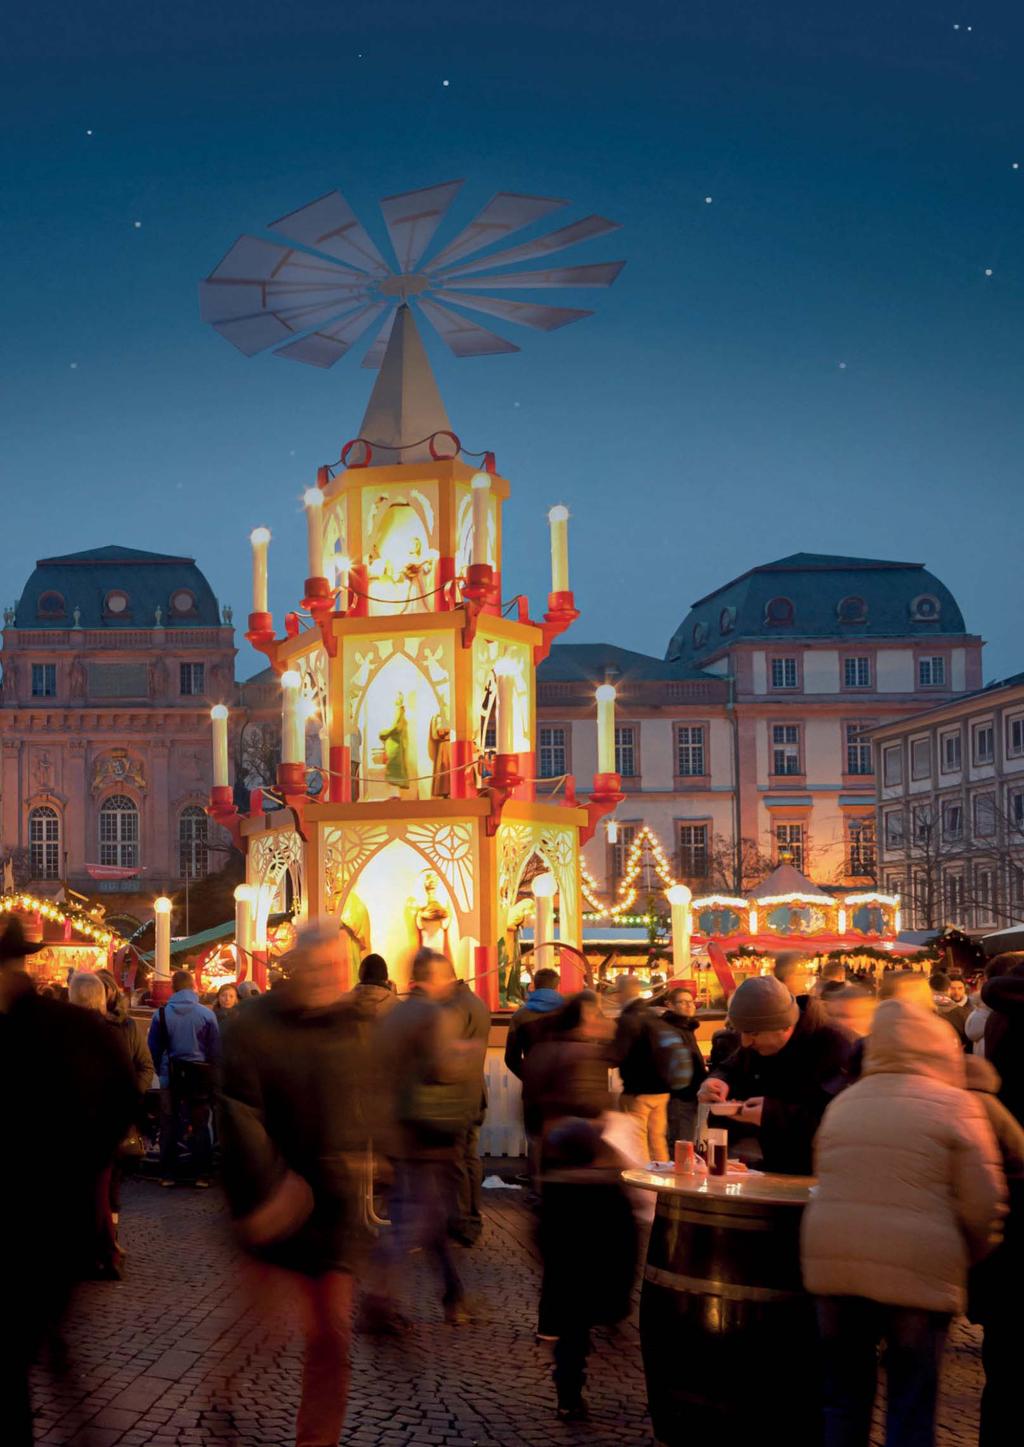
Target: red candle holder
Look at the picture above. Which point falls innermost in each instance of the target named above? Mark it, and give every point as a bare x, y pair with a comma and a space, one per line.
503, 779
260, 634
562, 613
476, 590
222, 811
605, 796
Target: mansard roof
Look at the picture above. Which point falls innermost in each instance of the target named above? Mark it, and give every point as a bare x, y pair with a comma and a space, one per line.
117, 587
818, 595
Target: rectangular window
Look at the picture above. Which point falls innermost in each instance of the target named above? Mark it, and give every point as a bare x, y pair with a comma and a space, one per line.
552, 754
1016, 810
1015, 736
953, 892
952, 821
1017, 884
892, 764
983, 743
857, 672
193, 679
922, 823
931, 672
693, 851
626, 751
789, 839
951, 753
984, 815
982, 895
784, 673
690, 751
893, 828
860, 839
785, 749
44, 680
859, 754
920, 758
44, 844
619, 851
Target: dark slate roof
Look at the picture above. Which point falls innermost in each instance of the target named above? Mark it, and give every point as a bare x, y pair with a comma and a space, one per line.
84, 579
592, 662
816, 584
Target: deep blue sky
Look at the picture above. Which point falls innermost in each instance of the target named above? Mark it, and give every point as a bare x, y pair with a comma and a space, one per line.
860, 158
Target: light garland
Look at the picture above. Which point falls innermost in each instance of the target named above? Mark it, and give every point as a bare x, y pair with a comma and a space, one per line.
720, 901
646, 839
48, 910
797, 898
890, 901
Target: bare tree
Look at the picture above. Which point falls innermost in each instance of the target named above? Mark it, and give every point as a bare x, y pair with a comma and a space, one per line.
732, 871
953, 869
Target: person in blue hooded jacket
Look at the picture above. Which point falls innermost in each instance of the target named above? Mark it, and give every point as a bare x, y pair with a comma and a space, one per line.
184, 1041
524, 1027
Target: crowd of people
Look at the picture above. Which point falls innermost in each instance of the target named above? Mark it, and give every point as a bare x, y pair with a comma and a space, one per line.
346, 1127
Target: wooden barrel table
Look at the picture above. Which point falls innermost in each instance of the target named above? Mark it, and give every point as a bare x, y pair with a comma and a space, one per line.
726, 1328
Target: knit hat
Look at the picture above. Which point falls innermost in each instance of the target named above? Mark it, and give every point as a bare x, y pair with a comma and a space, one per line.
762, 1003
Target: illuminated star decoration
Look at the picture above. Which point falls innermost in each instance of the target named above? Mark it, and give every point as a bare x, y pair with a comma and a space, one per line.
313, 288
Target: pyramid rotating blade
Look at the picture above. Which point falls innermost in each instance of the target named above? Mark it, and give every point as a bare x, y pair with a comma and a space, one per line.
526, 313
601, 273
330, 225
464, 337
251, 259
412, 218
325, 347
565, 236
504, 213
254, 334
231, 300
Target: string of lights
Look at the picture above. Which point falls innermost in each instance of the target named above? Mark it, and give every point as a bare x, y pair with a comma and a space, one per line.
48, 910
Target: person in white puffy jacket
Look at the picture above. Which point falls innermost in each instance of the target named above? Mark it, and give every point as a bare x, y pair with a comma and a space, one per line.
910, 1193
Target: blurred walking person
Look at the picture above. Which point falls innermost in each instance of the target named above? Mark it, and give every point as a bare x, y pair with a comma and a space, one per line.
184, 1041
681, 1013
473, 1026
57, 1063
428, 1077
653, 1063
910, 1192
293, 1131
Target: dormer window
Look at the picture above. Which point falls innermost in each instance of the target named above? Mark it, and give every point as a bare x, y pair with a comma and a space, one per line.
779, 611
925, 608
852, 610
700, 634
115, 604
727, 620
183, 603
51, 605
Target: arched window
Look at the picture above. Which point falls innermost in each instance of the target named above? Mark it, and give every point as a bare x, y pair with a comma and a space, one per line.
778, 610
44, 843
852, 609
119, 832
50, 605
192, 838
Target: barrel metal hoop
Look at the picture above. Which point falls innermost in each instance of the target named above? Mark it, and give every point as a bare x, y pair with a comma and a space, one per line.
720, 1220
728, 1290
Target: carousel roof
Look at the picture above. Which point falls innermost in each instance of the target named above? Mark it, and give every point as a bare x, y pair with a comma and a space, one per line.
786, 879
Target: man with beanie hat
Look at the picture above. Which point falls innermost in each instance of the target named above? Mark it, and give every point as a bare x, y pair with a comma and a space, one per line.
786, 1070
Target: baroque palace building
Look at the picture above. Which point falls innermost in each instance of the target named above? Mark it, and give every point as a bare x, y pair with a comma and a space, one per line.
749, 741
111, 660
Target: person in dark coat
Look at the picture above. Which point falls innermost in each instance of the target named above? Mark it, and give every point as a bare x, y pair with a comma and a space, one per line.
786, 1071
374, 994
681, 1013
184, 1040
645, 1091
58, 1063
588, 1245
474, 1025
428, 1082
294, 1137
1003, 993
528, 1021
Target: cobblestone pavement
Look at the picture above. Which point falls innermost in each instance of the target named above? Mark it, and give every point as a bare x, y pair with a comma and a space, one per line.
173, 1355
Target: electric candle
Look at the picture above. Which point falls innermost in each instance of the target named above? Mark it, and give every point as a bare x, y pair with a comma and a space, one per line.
606, 729
260, 539
162, 926
504, 671
245, 899
679, 898
558, 518
313, 499
219, 718
544, 919
293, 726
481, 508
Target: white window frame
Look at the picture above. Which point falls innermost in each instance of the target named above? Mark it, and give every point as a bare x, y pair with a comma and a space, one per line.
794, 846
857, 670
915, 745
931, 671
624, 746
702, 848
951, 736
892, 778
118, 827
787, 670
691, 749
788, 749
44, 842
859, 749
979, 730
557, 751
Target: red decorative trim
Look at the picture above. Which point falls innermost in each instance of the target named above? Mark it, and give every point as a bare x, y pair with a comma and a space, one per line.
346, 450
222, 811
340, 783
475, 592
561, 615
260, 634
500, 785
443, 456
605, 796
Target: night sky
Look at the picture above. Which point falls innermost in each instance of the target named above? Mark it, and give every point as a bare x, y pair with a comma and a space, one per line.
816, 360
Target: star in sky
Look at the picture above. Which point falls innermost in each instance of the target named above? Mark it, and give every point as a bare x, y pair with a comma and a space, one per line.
708, 200
988, 271
137, 225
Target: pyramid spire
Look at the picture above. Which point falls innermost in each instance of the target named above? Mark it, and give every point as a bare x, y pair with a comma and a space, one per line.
405, 405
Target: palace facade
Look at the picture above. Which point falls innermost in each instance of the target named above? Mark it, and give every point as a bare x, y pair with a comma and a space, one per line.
111, 660
749, 742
